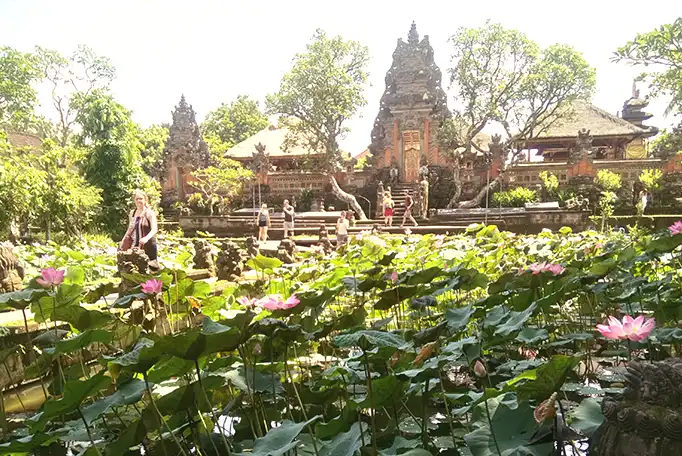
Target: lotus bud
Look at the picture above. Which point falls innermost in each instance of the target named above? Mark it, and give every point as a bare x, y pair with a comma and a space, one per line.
479, 369
256, 350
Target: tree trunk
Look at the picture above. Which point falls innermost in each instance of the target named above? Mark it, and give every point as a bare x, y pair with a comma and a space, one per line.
346, 198
480, 195
458, 186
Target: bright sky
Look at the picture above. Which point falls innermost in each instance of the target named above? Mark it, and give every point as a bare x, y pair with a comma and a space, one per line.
214, 50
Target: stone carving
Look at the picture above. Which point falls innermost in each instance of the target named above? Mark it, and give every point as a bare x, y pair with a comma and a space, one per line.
424, 197
286, 251
252, 247
184, 152
203, 255
230, 262
11, 272
647, 419
413, 94
324, 241
133, 261
583, 147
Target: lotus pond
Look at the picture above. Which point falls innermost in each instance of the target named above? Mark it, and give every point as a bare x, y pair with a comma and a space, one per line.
482, 344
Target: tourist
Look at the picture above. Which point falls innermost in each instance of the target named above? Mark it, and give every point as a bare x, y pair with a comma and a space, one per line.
342, 229
409, 204
288, 219
350, 215
142, 229
263, 223
388, 209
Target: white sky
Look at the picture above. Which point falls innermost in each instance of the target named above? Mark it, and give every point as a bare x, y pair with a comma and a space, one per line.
214, 50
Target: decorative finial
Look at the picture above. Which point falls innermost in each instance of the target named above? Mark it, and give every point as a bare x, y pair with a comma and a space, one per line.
413, 36
183, 103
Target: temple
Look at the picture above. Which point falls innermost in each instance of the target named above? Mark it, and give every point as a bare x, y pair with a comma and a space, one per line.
185, 152
286, 172
410, 111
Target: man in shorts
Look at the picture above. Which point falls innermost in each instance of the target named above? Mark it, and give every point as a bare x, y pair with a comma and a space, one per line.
342, 229
288, 219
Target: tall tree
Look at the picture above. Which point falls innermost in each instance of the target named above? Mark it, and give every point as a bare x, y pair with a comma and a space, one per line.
18, 73
660, 49
113, 162
71, 80
230, 124
153, 140
502, 78
222, 183
323, 89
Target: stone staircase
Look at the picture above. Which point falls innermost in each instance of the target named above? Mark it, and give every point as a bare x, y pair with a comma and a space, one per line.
399, 193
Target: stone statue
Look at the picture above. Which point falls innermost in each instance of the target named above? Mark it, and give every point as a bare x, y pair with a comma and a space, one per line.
647, 419
231, 260
324, 239
424, 196
11, 272
286, 251
583, 147
252, 247
394, 173
203, 256
380, 200
423, 168
133, 261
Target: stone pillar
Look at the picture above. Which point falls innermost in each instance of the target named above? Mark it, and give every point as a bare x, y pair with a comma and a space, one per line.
396, 142
427, 139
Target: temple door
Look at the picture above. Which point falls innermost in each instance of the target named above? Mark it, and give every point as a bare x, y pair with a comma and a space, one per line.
411, 153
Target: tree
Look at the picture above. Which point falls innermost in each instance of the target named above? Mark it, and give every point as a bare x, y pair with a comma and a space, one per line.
668, 143
231, 124
662, 50
502, 78
18, 73
113, 162
71, 81
153, 140
41, 188
220, 183
323, 89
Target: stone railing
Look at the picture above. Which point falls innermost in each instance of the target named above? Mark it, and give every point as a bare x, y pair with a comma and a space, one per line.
629, 170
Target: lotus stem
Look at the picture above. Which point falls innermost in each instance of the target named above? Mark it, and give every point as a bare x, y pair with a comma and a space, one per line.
371, 401
158, 413
215, 418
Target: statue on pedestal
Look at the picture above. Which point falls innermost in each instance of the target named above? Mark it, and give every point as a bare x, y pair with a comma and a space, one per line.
11, 271
424, 197
203, 256
286, 251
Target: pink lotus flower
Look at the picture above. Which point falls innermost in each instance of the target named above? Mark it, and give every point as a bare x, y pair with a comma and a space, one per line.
555, 269
50, 277
361, 235
676, 228
152, 286
408, 231
635, 329
275, 302
394, 277
537, 268
246, 301
440, 238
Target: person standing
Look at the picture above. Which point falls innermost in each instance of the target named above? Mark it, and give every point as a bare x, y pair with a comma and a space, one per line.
263, 223
288, 210
342, 229
409, 204
388, 209
142, 229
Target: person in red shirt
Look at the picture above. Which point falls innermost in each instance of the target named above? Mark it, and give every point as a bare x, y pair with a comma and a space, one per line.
409, 204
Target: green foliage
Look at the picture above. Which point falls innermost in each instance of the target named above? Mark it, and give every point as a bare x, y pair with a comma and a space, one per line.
152, 142
18, 73
230, 124
363, 362
315, 118
221, 184
45, 189
73, 80
516, 197
608, 180
659, 49
502, 77
651, 179
550, 183
113, 163
668, 143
